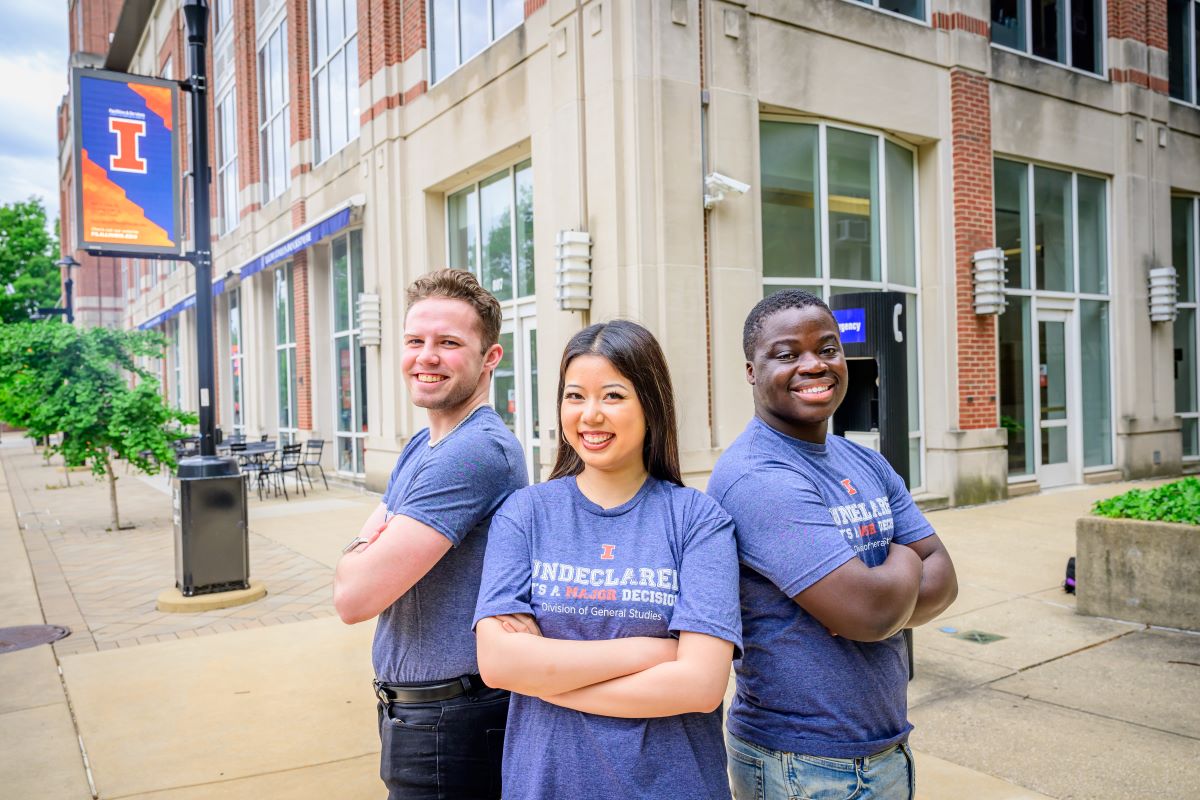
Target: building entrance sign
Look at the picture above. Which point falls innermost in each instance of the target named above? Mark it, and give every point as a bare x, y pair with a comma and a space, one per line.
127, 197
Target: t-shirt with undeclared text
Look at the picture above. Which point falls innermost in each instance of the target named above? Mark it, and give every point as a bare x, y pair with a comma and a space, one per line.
801, 511
662, 563
453, 487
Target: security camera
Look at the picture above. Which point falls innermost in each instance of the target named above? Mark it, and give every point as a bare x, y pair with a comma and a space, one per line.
716, 185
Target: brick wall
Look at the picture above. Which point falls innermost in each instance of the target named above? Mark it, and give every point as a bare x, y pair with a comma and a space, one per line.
245, 60
1143, 21
300, 109
303, 342
99, 19
971, 155
412, 28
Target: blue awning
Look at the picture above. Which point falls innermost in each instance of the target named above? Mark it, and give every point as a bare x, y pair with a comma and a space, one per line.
297, 241
218, 286
305, 237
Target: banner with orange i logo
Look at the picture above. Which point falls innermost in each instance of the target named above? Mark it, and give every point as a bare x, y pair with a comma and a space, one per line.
127, 176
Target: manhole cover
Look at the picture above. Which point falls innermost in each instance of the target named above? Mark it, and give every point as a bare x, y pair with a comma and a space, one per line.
979, 637
30, 636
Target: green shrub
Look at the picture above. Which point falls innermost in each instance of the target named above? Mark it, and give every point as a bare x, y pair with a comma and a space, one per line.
1178, 501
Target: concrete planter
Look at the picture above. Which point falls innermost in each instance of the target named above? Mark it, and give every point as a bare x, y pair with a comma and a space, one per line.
1139, 571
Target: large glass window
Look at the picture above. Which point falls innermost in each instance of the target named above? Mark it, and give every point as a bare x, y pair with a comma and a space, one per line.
839, 215
273, 109
1184, 226
459, 29
236, 351
334, 25
349, 355
176, 336
1061, 219
1183, 41
1066, 31
490, 232
909, 8
227, 169
285, 351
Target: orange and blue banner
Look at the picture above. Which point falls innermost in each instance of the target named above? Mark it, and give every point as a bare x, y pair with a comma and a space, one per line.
127, 177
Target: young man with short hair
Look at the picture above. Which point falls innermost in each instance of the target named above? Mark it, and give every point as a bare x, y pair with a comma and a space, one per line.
417, 561
836, 561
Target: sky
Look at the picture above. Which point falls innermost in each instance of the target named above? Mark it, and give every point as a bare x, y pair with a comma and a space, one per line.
33, 80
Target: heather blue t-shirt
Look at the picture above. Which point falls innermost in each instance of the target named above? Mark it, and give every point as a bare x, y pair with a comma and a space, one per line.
801, 511
453, 487
661, 563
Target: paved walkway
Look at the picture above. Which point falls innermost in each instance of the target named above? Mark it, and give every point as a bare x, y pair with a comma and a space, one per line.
272, 699
104, 584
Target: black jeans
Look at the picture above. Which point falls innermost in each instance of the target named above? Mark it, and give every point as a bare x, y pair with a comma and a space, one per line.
448, 750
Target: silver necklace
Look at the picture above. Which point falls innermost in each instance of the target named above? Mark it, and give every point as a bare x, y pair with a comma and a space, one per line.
457, 425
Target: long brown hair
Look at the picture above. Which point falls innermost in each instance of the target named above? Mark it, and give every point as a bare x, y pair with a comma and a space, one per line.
634, 352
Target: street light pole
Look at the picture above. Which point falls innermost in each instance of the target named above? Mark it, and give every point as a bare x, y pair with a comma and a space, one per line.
195, 14
212, 552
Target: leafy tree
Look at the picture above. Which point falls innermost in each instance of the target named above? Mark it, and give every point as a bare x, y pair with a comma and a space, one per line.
27, 255
55, 378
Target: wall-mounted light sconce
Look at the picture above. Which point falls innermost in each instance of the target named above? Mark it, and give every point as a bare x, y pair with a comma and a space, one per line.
573, 270
370, 320
1163, 290
989, 281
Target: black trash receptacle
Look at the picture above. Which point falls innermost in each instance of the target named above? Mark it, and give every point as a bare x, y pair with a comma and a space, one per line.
212, 551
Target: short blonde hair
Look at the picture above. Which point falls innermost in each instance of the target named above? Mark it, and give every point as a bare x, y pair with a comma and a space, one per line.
458, 284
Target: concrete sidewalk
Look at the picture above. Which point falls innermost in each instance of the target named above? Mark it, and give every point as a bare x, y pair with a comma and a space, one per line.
273, 699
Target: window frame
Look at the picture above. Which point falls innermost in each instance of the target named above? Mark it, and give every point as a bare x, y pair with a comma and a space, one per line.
236, 359
354, 334
228, 214
459, 62
518, 313
824, 282
1194, 306
291, 431
353, 124
1101, 72
275, 23
1069, 301
1193, 78
874, 5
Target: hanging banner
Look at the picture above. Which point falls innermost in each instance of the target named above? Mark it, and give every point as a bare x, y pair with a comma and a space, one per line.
127, 196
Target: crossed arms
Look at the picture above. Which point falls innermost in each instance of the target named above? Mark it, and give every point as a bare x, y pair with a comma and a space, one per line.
631, 677
911, 587
372, 576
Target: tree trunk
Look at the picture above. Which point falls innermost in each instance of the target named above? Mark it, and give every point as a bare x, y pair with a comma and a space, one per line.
112, 494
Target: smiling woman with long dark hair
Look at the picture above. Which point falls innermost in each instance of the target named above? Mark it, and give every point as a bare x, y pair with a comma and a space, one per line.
609, 599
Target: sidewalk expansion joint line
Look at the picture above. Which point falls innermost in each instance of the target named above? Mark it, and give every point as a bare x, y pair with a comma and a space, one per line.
1076, 651
142, 792
27, 708
1096, 714
39, 588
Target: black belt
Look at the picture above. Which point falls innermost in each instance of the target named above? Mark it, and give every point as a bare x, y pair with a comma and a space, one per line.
428, 693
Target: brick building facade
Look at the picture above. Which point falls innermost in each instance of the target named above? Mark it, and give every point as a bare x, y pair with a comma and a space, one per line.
358, 143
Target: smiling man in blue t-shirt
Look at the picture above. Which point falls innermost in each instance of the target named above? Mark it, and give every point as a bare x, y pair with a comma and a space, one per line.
821, 705
417, 560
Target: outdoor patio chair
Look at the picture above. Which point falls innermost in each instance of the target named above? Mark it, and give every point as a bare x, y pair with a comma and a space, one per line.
312, 458
260, 471
288, 461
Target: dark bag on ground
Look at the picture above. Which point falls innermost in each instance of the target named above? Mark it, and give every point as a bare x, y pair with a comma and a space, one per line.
1069, 583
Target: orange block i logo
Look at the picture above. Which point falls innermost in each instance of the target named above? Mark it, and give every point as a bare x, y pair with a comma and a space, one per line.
606, 554
849, 488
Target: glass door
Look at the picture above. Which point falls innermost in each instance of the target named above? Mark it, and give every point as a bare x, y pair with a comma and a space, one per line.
515, 384
1056, 367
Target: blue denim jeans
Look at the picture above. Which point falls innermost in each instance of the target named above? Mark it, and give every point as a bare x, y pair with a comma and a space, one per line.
448, 750
757, 773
